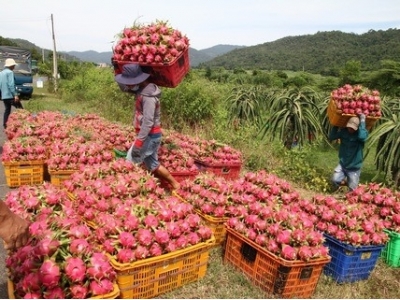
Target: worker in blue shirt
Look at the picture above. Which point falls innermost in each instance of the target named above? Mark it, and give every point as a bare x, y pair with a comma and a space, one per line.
9, 95
352, 140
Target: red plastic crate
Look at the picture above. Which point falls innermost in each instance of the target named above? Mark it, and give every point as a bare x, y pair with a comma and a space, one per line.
273, 274
166, 75
231, 172
179, 176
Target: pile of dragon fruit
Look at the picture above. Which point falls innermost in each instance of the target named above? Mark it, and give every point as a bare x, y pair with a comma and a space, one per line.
156, 43
357, 99
59, 261
267, 210
106, 214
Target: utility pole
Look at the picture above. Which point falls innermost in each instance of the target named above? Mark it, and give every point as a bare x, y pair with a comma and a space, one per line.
55, 69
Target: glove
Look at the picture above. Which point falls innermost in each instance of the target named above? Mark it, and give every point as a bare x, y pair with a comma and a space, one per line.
362, 118
135, 153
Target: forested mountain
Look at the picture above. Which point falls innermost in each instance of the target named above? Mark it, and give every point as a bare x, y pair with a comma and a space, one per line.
323, 52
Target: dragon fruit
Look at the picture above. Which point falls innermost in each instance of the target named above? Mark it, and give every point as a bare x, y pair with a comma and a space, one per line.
75, 269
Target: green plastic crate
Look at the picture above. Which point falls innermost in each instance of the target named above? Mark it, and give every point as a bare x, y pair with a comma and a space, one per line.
391, 252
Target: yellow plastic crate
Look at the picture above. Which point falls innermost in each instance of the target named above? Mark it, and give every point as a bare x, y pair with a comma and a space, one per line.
336, 118
153, 276
58, 177
20, 173
112, 295
217, 225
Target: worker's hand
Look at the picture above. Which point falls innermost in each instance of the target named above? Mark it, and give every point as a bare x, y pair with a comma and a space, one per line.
14, 231
362, 117
16, 98
135, 153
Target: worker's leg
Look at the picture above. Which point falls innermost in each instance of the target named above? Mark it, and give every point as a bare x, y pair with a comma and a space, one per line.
338, 176
162, 173
353, 178
152, 163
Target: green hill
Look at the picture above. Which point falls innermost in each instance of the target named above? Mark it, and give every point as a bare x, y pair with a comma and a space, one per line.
323, 52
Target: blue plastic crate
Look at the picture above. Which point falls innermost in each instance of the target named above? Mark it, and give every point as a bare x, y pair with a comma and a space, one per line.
350, 263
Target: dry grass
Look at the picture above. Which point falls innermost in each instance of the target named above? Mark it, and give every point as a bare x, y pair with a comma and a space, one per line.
222, 281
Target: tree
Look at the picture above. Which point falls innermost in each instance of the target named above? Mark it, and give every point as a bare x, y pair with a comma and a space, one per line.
387, 79
351, 73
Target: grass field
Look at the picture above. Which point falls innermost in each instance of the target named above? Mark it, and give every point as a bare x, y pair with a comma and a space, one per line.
222, 281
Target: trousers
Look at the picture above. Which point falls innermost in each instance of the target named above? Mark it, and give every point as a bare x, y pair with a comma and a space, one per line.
8, 103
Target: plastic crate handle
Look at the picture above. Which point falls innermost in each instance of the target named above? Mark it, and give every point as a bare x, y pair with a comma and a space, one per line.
225, 170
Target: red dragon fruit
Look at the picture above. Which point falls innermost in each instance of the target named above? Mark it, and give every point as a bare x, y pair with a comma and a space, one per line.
126, 239
54, 293
289, 252
144, 237
125, 256
50, 273
101, 287
75, 269
79, 291
155, 250
80, 247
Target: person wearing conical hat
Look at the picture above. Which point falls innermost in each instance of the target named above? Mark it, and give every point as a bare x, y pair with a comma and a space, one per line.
147, 120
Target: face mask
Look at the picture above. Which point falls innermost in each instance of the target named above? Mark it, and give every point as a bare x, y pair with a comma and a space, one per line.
135, 88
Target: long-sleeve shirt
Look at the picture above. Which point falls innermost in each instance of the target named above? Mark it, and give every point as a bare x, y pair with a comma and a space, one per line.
147, 116
351, 146
7, 84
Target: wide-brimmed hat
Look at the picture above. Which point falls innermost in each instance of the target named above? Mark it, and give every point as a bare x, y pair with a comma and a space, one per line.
131, 74
10, 62
353, 122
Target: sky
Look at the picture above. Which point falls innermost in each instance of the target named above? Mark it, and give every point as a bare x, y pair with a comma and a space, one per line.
82, 25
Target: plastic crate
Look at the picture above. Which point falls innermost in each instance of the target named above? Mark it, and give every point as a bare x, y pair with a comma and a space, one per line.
217, 225
349, 263
166, 75
58, 177
227, 171
179, 176
391, 253
20, 173
273, 274
112, 295
153, 276
336, 118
